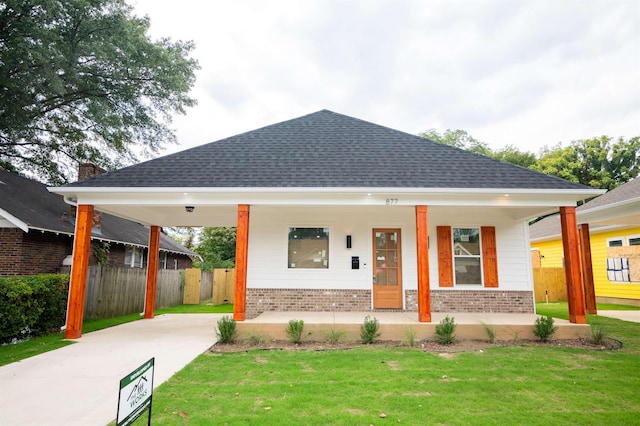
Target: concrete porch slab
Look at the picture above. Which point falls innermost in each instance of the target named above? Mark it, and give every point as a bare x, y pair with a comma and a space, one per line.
396, 325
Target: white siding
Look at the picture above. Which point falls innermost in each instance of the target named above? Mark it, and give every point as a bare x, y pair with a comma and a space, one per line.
268, 244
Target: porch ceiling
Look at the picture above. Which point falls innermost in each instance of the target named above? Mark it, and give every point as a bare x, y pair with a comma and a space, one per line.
218, 207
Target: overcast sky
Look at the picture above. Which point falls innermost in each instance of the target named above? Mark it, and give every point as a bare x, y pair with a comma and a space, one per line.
525, 73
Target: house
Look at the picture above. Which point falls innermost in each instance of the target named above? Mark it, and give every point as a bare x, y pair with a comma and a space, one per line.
336, 213
37, 227
614, 230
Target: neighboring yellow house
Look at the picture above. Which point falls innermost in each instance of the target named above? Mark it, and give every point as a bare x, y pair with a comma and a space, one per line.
614, 228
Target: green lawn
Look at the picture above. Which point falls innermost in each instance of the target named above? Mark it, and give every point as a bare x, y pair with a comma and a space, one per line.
501, 385
38, 345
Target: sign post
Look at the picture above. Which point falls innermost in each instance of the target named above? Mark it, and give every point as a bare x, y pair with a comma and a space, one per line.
135, 396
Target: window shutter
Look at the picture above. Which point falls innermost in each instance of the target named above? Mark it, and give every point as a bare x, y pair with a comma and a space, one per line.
489, 256
445, 257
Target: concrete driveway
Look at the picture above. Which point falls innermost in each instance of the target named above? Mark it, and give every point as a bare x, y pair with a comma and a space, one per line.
79, 384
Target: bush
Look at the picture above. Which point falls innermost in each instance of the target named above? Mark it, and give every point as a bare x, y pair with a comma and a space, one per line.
294, 330
598, 334
369, 330
543, 328
410, 334
32, 305
335, 336
226, 329
491, 332
445, 329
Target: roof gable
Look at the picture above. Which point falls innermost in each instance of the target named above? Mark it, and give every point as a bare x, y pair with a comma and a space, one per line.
326, 150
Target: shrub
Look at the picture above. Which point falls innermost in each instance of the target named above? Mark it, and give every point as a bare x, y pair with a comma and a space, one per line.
410, 334
226, 329
369, 330
543, 328
491, 332
597, 334
32, 305
445, 330
294, 330
257, 338
334, 336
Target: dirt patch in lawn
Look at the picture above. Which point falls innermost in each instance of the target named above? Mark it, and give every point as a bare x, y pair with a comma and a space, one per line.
425, 345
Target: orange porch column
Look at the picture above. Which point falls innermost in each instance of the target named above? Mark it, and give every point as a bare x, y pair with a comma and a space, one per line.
242, 250
79, 267
587, 268
422, 238
575, 293
153, 260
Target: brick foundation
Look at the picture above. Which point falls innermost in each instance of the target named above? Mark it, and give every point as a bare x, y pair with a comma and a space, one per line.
327, 300
308, 300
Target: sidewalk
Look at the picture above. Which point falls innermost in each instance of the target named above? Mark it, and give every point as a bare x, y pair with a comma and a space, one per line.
79, 384
632, 316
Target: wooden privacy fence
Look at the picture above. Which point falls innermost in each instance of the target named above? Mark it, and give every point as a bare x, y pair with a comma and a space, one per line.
217, 285
551, 282
120, 291
223, 287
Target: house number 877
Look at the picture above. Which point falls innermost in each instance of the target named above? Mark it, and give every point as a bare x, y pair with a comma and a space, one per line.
392, 201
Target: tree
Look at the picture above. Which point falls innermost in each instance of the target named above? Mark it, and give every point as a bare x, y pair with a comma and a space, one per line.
513, 155
217, 246
598, 162
80, 80
458, 138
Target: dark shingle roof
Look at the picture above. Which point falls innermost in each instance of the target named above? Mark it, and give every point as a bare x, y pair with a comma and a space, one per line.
328, 150
30, 202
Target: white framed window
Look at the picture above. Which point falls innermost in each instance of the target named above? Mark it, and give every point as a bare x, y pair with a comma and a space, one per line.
134, 257
308, 248
634, 240
163, 260
615, 242
467, 256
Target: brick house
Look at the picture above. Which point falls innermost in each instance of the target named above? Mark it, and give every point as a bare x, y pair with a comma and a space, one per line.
37, 228
336, 213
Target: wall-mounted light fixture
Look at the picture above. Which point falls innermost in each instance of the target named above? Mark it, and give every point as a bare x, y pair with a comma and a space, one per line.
348, 241
189, 209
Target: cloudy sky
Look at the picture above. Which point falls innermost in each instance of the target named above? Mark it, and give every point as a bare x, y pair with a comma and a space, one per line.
525, 73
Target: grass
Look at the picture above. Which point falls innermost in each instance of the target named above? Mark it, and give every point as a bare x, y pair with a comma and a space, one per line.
38, 345
502, 385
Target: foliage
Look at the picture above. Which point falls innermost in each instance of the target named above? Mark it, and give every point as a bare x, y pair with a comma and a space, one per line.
445, 329
544, 328
101, 252
598, 334
202, 308
369, 330
256, 338
410, 334
32, 305
226, 329
82, 81
217, 246
335, 335
294, 330
186, 236
491, 332
598, 162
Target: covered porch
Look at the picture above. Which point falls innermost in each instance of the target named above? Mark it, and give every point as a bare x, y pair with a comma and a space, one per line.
394, 326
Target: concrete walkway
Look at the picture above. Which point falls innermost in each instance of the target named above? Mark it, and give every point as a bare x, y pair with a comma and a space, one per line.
632, 316
79, 384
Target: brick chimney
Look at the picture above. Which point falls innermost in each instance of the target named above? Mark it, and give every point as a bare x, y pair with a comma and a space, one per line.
87, 171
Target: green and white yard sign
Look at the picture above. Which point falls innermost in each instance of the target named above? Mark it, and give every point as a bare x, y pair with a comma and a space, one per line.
135, 394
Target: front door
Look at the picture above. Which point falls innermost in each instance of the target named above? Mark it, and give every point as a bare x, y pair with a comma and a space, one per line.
387, 269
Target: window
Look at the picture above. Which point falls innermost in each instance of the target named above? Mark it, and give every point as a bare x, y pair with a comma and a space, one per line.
134, 257
467, 257
308, 248
163, 260
615, 242
634, 240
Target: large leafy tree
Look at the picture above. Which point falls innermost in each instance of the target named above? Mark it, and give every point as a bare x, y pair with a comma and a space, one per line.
80, 80
600, 162
217, 246
458, 138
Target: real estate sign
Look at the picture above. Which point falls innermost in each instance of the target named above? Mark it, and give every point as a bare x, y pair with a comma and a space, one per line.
135, 394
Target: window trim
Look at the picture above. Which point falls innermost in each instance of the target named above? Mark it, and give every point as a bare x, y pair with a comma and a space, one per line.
634, 236
480, 257
621, 239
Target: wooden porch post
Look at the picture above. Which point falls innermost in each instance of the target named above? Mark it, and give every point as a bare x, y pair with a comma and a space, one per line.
242, 250
152, 272
587, 268
575, 294
79, 267
422, 238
